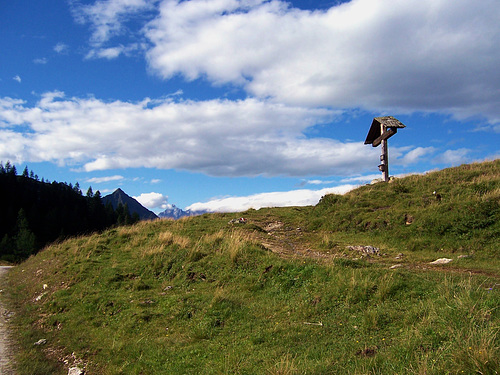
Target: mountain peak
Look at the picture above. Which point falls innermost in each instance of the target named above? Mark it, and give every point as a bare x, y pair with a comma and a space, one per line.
120, 197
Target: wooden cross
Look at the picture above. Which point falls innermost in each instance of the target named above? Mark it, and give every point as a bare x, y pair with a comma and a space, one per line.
381, 130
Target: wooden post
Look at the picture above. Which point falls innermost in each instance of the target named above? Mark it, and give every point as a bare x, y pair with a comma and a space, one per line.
384, 158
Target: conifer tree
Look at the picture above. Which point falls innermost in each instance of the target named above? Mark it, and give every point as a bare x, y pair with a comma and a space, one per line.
25, 238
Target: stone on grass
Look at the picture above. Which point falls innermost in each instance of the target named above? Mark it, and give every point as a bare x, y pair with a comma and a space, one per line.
442, 261
365, 250
75, 371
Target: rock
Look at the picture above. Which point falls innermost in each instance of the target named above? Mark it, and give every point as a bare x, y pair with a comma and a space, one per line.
442, 261
408, 219
366, 250
39, 297
400, 256
41, 342
396, 266
240, 220
75, 371
464, 256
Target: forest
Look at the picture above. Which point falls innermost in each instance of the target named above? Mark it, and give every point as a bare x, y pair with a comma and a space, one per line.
36, 212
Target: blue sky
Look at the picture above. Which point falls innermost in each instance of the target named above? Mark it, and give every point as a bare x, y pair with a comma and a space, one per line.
231, 104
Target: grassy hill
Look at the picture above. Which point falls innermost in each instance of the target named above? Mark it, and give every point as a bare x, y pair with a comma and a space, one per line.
292, 291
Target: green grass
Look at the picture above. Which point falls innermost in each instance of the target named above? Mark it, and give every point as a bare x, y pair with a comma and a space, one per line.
201, 296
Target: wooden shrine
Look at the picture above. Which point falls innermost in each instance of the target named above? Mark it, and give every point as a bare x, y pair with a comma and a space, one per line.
381, 130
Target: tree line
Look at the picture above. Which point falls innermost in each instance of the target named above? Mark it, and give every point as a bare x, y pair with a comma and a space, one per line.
36, 212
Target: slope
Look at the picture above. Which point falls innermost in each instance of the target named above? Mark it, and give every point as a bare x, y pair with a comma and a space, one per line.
281, 294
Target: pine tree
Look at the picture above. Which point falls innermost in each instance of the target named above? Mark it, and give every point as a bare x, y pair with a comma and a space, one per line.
25, 238
76, 188
7, 246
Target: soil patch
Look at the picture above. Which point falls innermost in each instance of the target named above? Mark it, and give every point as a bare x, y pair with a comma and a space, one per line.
6, 365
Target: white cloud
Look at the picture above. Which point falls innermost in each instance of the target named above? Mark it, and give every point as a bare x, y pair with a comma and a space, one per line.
217, 137
315, 182
99, 180
113, 52
17, 78
405, 56
41, 61
453, 157
318, 182
153, 200
416, 154
60, 48
108, 19
155, 181
302, 197
362, 179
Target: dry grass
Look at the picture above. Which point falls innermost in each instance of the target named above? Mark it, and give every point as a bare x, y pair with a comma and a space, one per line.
286, 366
235, 243
168, 238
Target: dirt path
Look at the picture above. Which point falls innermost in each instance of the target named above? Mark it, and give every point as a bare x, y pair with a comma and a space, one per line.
289, 241
6, 367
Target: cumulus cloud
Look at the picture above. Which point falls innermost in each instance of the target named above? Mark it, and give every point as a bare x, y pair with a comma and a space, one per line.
415, 55
302, 197
416, 154
217, 137
99, 180
17, 78
453, 157
153, 200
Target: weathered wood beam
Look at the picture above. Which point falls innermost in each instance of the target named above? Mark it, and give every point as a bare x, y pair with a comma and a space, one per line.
385, 135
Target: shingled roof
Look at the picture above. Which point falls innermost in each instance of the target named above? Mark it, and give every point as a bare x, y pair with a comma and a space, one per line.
376, 128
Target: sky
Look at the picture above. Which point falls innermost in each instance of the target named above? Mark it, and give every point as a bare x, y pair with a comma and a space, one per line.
225, 105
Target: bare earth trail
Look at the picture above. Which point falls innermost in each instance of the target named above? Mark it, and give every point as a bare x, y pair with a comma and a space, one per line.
289, 241
6, 367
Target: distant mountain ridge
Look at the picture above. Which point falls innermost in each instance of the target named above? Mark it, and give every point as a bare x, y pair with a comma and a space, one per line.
120, 197
177, 213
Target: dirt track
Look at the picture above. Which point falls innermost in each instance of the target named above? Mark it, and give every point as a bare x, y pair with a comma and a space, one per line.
5, 347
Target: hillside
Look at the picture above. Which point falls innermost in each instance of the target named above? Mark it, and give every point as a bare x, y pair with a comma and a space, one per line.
35, 213
345, 287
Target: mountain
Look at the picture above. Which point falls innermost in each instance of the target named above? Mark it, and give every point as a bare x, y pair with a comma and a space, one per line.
120, 197
176, 213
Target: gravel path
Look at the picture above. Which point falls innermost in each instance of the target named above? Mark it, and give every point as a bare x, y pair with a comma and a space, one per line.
5, 350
